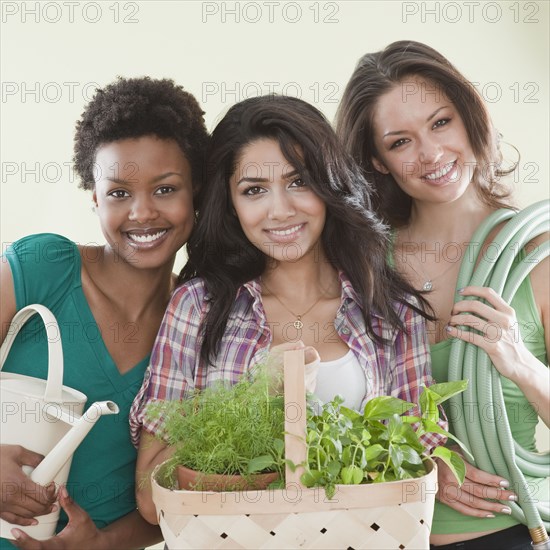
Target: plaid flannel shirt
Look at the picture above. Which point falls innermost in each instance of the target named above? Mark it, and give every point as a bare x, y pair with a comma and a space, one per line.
398, 368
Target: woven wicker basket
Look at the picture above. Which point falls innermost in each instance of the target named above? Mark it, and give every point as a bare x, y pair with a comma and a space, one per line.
390, 515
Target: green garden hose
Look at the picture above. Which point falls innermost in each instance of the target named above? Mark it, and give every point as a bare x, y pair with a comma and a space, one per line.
490, 441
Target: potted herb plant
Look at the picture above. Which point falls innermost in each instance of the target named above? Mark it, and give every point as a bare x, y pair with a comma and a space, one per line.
379, 445
227, 437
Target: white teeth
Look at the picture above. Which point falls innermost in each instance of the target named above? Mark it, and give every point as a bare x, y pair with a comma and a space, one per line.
440, 173
146, 238
286, 231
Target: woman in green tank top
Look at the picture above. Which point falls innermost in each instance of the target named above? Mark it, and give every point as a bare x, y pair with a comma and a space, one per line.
139, 150
423, 137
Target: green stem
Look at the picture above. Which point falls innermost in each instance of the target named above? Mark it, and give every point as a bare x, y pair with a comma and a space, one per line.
388, 461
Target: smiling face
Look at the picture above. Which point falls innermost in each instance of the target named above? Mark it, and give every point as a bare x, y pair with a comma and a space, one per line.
144, 199
278, 212
421, 140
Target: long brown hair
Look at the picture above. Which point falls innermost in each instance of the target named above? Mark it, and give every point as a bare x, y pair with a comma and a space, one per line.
375, 75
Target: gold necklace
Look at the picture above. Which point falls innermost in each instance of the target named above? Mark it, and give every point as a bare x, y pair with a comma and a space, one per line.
428, 281
298, 325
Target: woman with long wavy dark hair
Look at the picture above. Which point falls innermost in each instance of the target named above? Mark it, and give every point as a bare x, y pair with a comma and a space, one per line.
422, 135
287, 254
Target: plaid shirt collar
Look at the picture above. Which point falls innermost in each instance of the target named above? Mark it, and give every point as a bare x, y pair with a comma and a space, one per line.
254, 289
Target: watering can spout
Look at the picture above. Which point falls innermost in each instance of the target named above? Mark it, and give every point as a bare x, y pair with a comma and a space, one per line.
46, 471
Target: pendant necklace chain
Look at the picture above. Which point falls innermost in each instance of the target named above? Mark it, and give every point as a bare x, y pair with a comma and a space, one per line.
298, 324
428, 281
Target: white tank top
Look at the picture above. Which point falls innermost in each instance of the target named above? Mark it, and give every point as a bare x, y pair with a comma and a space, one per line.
343, 376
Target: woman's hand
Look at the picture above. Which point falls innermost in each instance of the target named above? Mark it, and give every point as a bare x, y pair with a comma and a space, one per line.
275, 364
80, 532
472, 497
498, 329
22, 499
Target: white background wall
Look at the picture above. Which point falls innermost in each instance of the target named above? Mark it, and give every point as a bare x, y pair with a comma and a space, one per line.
54, 54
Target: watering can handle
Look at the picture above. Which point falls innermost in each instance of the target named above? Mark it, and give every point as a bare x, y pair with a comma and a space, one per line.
54, 383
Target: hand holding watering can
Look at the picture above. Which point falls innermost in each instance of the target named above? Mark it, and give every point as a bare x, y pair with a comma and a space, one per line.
54, 432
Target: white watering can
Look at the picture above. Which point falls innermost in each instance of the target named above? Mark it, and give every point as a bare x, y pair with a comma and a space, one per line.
44, 416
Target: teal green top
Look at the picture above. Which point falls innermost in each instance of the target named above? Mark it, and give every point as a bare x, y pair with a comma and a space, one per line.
522, 417
46, 270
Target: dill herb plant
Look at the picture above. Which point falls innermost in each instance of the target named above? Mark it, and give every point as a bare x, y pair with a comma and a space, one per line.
225, 429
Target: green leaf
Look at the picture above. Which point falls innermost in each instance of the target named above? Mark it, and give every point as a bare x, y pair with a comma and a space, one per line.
453, 460
396, 429
373, 452
447, 389
410, 455
279, 445
346, 475
381, 408
260, 463
352, 475
409, 419
428, 405
396, 455
358, 475
346, 456
333, 468
349, 413
436, 428
311, 478
376, 427
411, 438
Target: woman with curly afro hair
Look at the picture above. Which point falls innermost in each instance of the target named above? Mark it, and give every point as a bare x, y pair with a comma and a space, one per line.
139, 150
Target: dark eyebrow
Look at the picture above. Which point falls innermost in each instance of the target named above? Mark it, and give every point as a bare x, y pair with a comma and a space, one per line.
397, 132
122, 181
263, 180
291, 174
117, 181
435, 113
251, 180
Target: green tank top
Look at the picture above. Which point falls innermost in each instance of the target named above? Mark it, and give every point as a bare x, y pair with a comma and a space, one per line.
522, 417
46, 269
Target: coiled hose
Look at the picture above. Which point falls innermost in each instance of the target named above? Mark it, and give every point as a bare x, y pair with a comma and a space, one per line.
491, 442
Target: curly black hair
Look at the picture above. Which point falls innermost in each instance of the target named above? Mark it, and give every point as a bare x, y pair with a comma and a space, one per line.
136, 107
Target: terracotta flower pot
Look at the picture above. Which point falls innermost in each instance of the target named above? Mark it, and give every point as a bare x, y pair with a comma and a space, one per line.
192, 480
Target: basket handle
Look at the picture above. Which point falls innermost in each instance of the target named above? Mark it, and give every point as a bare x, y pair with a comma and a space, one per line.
54, 384
295, 414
